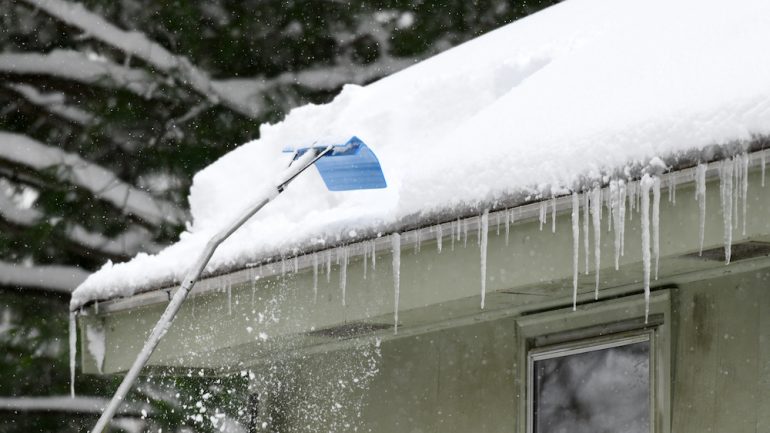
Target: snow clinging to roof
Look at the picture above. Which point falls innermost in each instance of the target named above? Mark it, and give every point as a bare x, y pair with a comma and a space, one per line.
576, 91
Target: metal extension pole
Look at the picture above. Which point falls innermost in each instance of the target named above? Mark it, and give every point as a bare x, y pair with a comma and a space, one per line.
303, 162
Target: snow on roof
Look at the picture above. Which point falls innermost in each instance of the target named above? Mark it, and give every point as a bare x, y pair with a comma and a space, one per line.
577, 91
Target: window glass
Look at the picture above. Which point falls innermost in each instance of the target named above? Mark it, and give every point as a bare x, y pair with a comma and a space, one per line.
603, 390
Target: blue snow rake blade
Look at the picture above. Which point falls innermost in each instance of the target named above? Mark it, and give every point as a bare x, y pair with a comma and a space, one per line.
349, 166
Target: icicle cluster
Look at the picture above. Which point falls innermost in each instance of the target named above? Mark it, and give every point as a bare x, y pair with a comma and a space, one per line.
620, 198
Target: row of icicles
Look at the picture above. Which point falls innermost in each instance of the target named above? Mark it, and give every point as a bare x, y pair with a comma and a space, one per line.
619, 198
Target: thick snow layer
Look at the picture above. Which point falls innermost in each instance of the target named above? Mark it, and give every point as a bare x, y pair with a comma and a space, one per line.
568, 94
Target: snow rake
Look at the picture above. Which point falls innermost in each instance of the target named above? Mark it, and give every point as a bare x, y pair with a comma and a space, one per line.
343, 167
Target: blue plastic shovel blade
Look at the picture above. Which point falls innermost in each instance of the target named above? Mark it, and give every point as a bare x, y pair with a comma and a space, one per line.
349, 167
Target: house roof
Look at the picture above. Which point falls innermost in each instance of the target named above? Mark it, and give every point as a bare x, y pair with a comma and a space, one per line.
569, 96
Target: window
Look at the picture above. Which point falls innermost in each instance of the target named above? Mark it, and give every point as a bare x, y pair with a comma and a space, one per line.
600, 387
600, 369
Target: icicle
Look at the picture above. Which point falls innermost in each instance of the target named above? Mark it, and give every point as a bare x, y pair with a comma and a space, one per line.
673, 190
296, 264
656, 222
575, 247
440, 236
700, 196
418, 242
737, 192
608, 205
283, 266
726, 195
596, 215
762, 163
395, 240
452, 237
343, 273
478, 233
374, 256
459, 229
615, 215
498, 223
553, 215
315, 279
645, 185
543, 213
328, 266
622, 216
229, 289
508, 225
631, 191
465, 232
366, 257
586, 219
483, 247
744, 158
73, 350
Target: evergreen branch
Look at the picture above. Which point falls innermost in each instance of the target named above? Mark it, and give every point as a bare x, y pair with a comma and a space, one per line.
79, 67
121, 247
102, 183
50, 278
54, 103
137, 44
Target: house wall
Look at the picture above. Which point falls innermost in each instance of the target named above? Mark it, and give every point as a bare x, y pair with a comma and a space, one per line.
464, 379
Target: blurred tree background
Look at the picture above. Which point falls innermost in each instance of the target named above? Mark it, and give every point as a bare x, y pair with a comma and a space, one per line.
107, 110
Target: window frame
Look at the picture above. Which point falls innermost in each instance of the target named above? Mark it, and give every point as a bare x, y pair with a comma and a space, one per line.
596, 326
584, 346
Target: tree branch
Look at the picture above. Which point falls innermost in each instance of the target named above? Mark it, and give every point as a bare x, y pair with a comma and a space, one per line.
121, 247
138, 45
52, 278
54, 103
80, 67
102, 183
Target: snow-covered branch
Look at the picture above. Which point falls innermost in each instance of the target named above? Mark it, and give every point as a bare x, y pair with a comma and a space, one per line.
125, 245
137, 44
67, 404
241, 95
22, 150
53, 102
62, 279
80, 67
